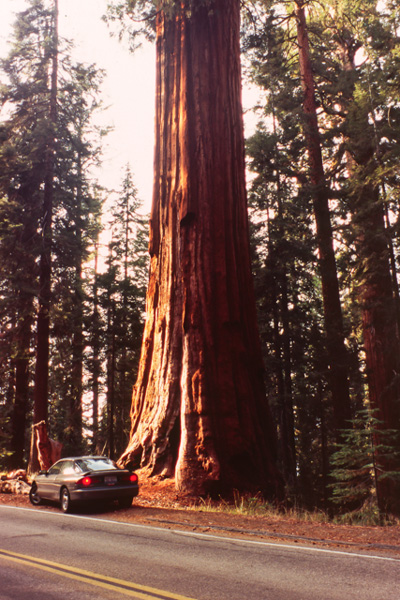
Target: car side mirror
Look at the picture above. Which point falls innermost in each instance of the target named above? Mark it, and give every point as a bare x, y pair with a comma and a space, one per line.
43, 472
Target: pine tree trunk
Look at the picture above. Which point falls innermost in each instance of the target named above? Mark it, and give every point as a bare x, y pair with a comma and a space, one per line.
279, 300
43, 320
287, 398
123, 389
21, 398
96, 355
337, 355
75, 412
24, 300
199, 407
110, 374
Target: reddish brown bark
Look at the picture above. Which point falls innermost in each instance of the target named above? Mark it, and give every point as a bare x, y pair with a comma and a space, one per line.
381, 336
199, 407
336, 349
48, 451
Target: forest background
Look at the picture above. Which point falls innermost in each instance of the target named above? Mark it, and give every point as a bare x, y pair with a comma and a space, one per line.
323, 207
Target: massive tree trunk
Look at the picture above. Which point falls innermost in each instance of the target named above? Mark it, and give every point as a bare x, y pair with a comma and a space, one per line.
336, 349
199, 407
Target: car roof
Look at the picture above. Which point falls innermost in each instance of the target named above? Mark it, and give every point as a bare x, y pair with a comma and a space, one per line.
83, 456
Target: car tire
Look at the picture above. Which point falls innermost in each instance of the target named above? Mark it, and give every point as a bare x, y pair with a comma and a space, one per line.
125, 502
65, 500
34, 497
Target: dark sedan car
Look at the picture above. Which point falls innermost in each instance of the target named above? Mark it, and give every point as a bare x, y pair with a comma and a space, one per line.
84, 479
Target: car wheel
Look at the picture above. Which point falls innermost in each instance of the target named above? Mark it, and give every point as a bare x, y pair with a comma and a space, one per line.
65, 500
125, 502
34, 496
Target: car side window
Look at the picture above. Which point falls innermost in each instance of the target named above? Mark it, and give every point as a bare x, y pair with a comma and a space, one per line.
67, 468
55, 469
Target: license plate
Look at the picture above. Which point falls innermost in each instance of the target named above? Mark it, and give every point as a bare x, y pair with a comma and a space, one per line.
110, 479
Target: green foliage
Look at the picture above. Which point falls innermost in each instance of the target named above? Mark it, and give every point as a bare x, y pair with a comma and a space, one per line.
353, 464
367, 516
122, 291
134, 20
290, 310
76, 209
354, 53
5, 435
287, 280
359, 461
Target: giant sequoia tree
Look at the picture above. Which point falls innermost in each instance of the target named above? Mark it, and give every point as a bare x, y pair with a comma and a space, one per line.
199, 408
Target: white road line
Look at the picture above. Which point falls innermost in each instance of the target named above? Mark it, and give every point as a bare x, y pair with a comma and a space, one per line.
209, 536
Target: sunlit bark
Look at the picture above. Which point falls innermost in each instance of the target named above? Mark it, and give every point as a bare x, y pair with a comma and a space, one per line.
199, 408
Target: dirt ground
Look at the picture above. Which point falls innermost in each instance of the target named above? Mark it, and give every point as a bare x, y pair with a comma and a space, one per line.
159, 505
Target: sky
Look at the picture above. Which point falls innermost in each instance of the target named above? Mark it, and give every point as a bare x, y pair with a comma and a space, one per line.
128, 90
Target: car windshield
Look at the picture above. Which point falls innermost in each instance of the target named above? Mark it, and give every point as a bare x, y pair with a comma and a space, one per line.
96, 464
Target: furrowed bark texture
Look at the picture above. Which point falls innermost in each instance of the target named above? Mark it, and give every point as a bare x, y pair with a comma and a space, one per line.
198, 405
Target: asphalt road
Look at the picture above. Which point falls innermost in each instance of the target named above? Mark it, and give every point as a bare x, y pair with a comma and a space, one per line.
52, 556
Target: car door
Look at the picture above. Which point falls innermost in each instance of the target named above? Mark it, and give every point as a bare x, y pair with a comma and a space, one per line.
65, 474
47, 486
